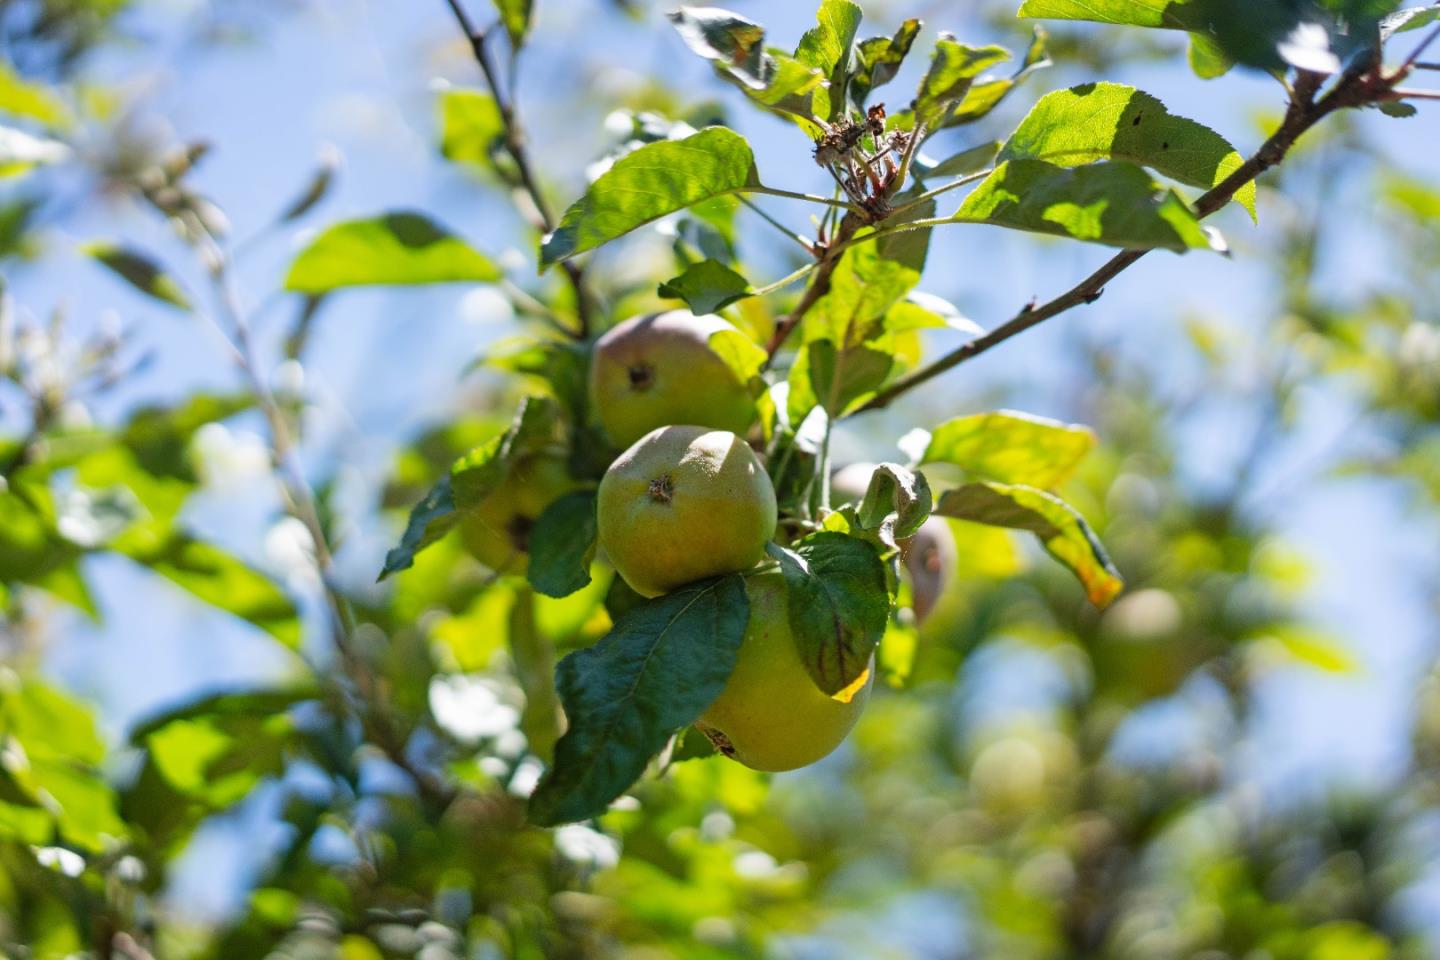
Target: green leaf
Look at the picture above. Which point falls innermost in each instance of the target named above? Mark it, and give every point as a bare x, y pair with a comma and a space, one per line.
1207, 58
896, 503
1170, 14
1110, 121
140, 271
1011, 447
53, 739
745, 358
1113, 203
216, 577
657, 670
986, 94
215, 750
827, 48
21, 151
655, 180
878, 59
158, 437
395, 249
471, 127
839, 605
953, 68
767, 75
834, 377
1061, 530
1410, 18
516, 15
470, 479
562, 545
706, 287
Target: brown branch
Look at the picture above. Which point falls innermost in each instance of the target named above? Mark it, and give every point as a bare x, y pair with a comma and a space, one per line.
515, 147
818, 287
1304, 112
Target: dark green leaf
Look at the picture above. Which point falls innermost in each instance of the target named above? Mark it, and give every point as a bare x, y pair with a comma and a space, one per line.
827, 48
1110, 121
706, 287
953, 68
141, 272
878, 59
655, 180
1011, 447
1113, 203
562, 545
657, 670
395, 249
1062, 531
839, 604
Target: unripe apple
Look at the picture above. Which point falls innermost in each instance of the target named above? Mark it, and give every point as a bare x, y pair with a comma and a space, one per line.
682, 504
497, 530
771, 715
659, 370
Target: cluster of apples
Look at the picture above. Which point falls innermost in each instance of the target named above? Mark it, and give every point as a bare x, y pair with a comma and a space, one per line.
688, 498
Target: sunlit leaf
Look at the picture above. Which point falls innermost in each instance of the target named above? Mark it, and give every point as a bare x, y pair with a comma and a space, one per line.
1062, 531
394, 249
218, 578
1110, 121
655, 180
1011, 447
827, 47
470, 127
1113, 203
953, 68
878, 59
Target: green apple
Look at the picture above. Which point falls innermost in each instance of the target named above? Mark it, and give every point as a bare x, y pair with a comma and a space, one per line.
658, 370
771, 715
682, 504
496, 531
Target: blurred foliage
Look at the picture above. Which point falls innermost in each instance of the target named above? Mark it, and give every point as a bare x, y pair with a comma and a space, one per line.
399, 752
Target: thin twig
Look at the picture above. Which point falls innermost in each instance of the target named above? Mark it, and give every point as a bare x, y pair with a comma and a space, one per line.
514, 141
1303, 113
818, 287
300, 504
811, 197
790, 234
943, 189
